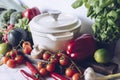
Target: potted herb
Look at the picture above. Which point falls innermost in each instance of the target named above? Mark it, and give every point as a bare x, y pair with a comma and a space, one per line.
106, 15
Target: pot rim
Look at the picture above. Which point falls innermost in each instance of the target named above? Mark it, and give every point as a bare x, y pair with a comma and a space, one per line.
35, 26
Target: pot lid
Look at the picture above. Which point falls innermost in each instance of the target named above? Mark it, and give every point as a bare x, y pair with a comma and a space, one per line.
53, 22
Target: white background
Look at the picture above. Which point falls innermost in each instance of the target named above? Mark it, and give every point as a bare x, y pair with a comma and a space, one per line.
65, 7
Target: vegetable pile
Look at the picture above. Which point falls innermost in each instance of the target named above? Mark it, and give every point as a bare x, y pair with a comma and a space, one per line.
57, 64
15, 35
106, 14
14, 23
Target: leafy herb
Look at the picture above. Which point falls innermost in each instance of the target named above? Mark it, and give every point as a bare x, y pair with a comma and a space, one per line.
106, 14
23, 23
5, 17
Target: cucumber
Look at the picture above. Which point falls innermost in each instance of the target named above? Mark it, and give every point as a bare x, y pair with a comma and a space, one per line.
14, 17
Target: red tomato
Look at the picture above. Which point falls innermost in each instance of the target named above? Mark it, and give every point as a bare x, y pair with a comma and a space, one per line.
63, 60
27, 49
19, 59
59, 54
54, 59
69, 72
50, 67
76, 76
7, 54
11, 63
5, 59
43, 71
46, 55
26, 43
13, 54
40, 65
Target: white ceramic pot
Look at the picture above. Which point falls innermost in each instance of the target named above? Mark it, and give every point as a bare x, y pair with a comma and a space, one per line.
54, 30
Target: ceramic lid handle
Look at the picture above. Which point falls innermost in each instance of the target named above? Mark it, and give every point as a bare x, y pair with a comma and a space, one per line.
55, 14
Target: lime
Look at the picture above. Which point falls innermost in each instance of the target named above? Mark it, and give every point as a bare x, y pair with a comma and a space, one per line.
102, 56
4, 47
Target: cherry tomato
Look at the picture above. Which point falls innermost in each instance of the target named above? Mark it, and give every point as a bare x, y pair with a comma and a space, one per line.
40, 65
59, 54
27, 49
63, 60
26, 43
5, 59
7, 54
54, 59
19, 59
50, 67
11, 63
13, 53
69, 72
46, 55
76, 76
43, 71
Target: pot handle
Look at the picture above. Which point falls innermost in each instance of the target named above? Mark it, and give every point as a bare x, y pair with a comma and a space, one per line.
64, 36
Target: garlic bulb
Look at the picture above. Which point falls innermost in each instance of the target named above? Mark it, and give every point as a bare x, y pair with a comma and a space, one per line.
36, 53
89, 74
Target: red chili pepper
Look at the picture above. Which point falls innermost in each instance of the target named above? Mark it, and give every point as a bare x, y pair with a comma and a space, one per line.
57, 76
27, 75
33, 69
31, 12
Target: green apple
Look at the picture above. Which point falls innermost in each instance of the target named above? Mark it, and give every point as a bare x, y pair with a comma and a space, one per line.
4, 48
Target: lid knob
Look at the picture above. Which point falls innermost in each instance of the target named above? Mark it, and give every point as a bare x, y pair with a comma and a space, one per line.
55, 14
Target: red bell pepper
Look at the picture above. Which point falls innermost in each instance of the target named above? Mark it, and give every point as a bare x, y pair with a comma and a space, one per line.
31, 12
33, 69
82, 47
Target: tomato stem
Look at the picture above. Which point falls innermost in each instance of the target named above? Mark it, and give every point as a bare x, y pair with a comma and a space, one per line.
75, 66
19, 45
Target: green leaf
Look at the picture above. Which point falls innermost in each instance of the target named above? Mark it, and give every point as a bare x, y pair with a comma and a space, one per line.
118, 1
113, 14
90, 11
85, 1
110, 22
77, 4
87, 5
